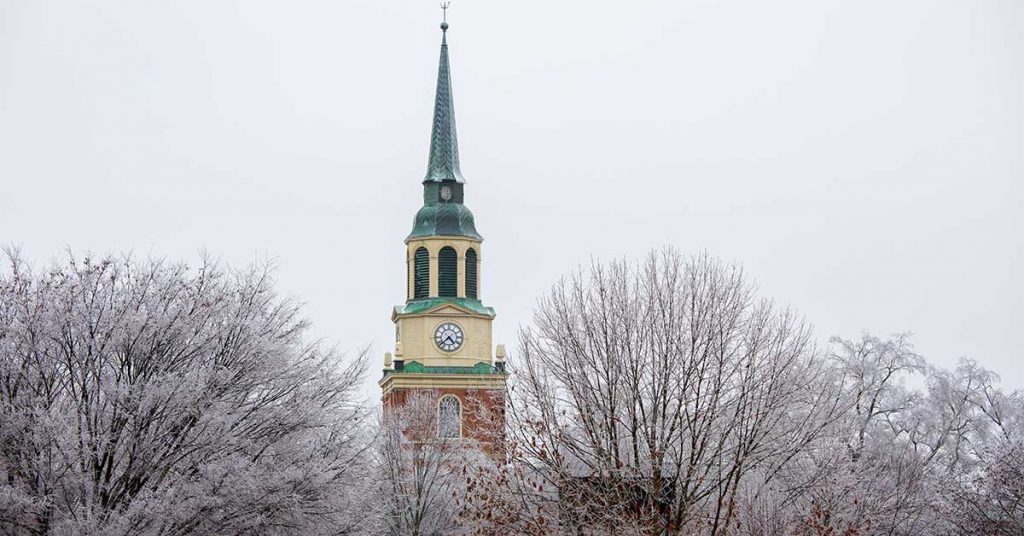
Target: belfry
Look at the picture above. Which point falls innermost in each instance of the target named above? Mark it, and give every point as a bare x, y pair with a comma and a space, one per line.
443, 340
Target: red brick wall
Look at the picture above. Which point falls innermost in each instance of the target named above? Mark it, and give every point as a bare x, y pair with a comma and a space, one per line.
483, 413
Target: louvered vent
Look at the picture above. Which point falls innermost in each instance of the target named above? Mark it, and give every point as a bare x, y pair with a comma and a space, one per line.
471, 274
448, 273
421, 269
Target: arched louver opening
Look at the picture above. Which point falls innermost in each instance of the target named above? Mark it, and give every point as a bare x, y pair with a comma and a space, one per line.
449, 417
471, 274
448, 273
421, 274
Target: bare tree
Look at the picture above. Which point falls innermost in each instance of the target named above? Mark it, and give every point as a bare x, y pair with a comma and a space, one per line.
506, 497
991, 500
868, 478
983, 492
150, 398
900, 455
874, 371
423, 465
647, 394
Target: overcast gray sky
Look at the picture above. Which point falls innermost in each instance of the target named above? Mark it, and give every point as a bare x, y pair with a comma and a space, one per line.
863, 159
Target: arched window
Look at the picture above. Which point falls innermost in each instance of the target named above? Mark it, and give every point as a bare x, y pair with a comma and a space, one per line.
471, 273
449, 417
448, 273
421, 274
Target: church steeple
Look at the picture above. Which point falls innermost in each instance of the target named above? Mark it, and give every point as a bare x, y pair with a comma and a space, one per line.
443, 346
444, 212
443, 164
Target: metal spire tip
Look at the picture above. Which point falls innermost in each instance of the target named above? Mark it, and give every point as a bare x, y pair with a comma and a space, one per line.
445, 4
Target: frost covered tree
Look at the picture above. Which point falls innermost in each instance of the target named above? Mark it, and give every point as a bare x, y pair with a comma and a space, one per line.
422, 468
648, 396
664, 397
902, 460
151, 398
990, 500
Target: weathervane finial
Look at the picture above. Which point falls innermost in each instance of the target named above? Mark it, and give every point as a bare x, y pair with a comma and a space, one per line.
445, 4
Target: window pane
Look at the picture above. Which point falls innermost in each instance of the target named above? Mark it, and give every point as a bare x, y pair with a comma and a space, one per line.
449, 417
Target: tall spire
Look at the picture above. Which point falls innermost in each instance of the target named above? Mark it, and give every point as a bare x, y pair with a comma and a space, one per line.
444, 143
444, 212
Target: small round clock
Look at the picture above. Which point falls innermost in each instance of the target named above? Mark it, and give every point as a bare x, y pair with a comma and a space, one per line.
448, 337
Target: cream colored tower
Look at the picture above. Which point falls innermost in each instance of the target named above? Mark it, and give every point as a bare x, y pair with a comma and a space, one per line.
418, 320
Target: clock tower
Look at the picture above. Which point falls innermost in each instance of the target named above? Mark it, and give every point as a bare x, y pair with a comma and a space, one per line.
443, 342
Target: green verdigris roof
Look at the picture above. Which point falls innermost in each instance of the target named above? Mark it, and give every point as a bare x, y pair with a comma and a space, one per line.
481, 367
444, 219
443, 164
427, 304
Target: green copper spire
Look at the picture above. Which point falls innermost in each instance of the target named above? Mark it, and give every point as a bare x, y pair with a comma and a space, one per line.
444, 143
443, 212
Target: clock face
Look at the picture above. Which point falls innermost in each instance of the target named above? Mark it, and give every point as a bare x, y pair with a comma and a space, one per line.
448, 337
